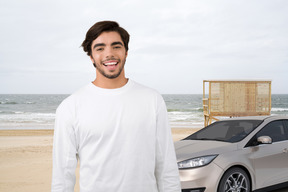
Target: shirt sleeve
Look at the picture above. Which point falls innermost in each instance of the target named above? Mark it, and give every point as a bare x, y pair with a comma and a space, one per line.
64, 150
166, 171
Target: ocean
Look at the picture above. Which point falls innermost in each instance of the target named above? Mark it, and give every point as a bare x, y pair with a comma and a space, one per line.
38, 111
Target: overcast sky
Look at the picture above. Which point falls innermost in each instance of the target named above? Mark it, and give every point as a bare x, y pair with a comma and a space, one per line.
174, 45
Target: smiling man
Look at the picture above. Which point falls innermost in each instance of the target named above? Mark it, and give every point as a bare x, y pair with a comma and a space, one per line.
118, 128
110, 56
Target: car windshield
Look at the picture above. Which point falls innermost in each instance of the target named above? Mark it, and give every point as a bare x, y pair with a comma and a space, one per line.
227, 131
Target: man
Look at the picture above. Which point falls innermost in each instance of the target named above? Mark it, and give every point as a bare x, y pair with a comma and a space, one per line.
118, 128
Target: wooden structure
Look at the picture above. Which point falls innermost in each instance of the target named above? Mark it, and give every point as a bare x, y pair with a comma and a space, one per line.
236, 98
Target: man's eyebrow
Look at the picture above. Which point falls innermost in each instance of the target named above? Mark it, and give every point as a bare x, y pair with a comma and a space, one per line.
98, 45
103, 44
117, 43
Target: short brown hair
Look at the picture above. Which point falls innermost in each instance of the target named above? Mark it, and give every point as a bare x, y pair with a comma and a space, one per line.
100, 27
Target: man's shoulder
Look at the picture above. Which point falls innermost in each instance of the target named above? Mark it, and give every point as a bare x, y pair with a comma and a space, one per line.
71, 99
146, 91
81, 91
144, 88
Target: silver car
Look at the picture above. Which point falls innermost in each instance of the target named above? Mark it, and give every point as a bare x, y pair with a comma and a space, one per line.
235, 155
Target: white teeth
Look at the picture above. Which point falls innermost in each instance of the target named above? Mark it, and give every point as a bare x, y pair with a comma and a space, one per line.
112, 63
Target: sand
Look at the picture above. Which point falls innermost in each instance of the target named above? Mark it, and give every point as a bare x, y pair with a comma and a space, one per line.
26, 159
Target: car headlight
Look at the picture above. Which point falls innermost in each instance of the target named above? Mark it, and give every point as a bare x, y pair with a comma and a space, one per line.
196, 162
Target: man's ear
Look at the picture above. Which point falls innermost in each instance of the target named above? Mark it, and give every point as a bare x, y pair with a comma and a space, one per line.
91, 58
92, 61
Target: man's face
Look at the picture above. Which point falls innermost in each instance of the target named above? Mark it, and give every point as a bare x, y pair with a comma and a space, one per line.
109, 55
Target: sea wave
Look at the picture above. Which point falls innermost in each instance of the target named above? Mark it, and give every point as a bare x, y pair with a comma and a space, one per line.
16, 103
8, 103
13, 112
29, 102
21, 117
279, 109
197, 109
178, 116
18, 112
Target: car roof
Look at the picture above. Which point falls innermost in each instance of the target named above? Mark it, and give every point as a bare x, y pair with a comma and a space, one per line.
262, 118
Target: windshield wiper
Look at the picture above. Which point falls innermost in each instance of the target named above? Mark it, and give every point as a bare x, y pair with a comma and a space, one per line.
211, 139
205, 139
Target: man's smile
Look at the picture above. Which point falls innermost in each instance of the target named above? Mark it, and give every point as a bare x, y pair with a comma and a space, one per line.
111, 64
114, 62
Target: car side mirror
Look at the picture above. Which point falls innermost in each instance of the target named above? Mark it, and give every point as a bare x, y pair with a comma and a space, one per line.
264, 140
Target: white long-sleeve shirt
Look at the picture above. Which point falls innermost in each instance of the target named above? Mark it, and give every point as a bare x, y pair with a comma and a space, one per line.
123, 140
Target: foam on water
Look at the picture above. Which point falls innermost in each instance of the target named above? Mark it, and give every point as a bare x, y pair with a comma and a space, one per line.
38, 111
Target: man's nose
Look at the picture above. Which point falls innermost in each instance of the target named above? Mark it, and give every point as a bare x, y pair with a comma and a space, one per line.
109, 52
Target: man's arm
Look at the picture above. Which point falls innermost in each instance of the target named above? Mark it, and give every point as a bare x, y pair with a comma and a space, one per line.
166, 172
64, 150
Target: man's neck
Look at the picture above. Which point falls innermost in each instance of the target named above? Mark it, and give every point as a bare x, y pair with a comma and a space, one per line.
110, 83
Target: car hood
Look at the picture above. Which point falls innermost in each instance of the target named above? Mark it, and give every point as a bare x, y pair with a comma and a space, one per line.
187, 149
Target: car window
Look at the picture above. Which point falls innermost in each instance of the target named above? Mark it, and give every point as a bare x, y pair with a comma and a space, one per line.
275, 130
227, 131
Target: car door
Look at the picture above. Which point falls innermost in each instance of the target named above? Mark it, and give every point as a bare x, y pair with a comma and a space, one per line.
270, 161
286, 148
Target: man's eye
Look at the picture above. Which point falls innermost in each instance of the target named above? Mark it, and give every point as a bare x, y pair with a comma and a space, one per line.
117, 47
99, 49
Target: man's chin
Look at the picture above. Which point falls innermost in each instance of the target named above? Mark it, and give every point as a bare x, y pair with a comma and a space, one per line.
112, 76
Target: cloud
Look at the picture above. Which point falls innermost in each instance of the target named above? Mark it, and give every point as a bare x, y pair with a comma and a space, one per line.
174, 44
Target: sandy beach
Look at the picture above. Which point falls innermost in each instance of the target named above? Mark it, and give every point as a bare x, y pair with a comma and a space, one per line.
26, 159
